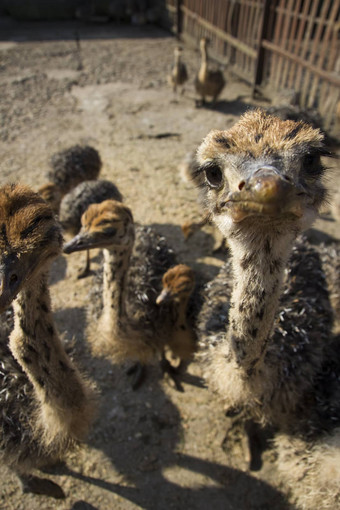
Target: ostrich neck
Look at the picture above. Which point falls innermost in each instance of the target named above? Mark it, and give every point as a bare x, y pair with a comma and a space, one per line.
180, 313
258, 273
36, 345
115, 268
182, 341
204, 64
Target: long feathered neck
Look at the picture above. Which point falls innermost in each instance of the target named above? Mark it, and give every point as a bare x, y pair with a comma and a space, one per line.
177, 60
258, 266
204, 63
36, 345
116, 263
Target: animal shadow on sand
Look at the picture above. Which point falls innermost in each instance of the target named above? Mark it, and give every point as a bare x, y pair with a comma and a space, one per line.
141, 434
233, 107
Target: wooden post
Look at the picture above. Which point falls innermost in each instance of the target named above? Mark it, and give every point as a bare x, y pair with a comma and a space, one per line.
263, 32
178, 18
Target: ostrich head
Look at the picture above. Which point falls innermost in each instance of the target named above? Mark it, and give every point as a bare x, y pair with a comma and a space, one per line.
262, 174
178, 283
204, 43
30, 238
108, 224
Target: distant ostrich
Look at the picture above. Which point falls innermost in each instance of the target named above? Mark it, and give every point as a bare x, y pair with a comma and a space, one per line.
46, 407
75, 203
265, 330
179, 73
69, 167
208, 82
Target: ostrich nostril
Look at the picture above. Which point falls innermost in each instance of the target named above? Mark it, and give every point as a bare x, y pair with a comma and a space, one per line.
241, 185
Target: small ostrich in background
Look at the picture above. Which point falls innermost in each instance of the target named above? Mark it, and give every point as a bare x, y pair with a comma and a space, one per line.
75, 203
69, 168
179, 74
208, 82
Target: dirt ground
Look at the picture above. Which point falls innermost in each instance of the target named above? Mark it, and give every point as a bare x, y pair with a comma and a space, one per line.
155, 448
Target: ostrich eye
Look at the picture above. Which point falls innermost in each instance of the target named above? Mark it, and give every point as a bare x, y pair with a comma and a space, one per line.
312, 165
109, 231
214, 176
309, 159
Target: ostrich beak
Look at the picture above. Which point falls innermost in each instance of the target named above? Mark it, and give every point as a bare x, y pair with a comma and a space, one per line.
266, 192
79, 243
163, 297
11, 278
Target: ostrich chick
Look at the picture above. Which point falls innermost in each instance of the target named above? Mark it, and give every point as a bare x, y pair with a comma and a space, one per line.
179, 74
75, 203
271, 351
130, 325
69, 168
208, 82
46, 406
178, 286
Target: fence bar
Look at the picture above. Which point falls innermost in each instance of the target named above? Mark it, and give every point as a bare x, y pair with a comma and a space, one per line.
263, 32
332, 78
220, 33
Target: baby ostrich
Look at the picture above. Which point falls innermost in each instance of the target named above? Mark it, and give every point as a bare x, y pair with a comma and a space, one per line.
265, 341
130, 325
75, 203
179, 74
69, 168
178, 287
46, 406
208, 82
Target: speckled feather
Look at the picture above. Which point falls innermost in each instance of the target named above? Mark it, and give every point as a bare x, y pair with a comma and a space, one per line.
301, 330
18, 406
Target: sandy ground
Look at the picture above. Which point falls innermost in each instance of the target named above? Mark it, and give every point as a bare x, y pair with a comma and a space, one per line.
155, 448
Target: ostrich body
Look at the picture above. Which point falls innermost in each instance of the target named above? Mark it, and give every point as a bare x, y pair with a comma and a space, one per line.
75, 203
130, 325
179, 74
178, 284
69, 168
271, 346
46, 406
208, 82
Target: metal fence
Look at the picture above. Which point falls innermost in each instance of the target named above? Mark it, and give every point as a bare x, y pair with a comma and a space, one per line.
272, 44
